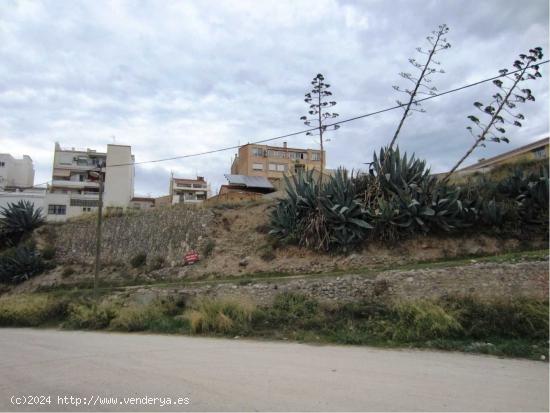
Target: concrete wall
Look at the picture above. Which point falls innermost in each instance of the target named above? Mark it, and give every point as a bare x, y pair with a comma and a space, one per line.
16, 172
119, 180
35, 197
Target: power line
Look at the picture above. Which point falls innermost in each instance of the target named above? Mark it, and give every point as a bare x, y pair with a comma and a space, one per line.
288, 135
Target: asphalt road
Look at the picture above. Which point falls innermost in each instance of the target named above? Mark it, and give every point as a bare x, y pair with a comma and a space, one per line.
220, 374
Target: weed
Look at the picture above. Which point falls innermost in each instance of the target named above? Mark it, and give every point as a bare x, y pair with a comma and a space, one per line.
31, 309
138, 260
219, 316
156, 263
48, 252
67, 272
85, 316
423, 320
208, 248
156, 316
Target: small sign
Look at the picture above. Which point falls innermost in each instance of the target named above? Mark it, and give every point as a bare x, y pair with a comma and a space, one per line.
191, 257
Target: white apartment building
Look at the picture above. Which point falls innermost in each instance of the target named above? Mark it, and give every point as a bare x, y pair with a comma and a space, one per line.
75, 190
188, 191
16, 173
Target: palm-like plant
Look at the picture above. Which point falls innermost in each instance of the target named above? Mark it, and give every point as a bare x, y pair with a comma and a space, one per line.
19, 219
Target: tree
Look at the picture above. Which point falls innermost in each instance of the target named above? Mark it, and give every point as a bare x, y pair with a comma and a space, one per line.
318, 114
500, 110
421, 83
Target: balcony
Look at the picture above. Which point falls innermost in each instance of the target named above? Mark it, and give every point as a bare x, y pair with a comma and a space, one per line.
74, 184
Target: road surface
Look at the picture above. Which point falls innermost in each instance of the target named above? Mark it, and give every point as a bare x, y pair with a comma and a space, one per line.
221, 374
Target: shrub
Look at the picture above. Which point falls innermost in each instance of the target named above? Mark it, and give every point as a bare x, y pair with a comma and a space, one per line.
156, 263
138, 260
19, 219
67, 272
267, 253
155, 316
294, 310
48, 252
20, 263
318, 216
219, 316
208, 248
513, 318
85, 316
423, 320
30, 309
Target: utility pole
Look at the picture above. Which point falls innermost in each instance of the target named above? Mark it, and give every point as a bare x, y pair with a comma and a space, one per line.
98, 234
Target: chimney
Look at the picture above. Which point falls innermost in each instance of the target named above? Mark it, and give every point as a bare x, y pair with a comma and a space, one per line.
284, 145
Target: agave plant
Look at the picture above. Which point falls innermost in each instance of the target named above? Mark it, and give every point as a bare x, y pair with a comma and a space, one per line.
18, 219
20, 263
322, 218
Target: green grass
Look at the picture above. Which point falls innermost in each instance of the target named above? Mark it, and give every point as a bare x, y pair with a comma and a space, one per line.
505, 327
30, 310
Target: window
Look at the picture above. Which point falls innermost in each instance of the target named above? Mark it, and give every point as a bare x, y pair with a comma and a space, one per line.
85, 202
2, 164
257, 167
57, 209
86, 209
258, 152
272, 166
539, 153
281, 167
316, 156
275, 154
297, 155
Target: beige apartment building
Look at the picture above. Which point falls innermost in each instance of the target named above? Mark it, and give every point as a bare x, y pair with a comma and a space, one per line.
75, 188
273, 162
188, 191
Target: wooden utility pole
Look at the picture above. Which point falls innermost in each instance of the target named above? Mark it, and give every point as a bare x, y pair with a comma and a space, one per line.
98, 235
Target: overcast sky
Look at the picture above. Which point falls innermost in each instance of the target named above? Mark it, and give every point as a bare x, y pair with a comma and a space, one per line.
174, 78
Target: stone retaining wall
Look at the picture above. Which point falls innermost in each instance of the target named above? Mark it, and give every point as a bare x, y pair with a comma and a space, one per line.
163, 232
485, 280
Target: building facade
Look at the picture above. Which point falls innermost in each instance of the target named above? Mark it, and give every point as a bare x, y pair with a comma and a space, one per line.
538, 150
75, 184
188, 191
16, 173
35, 196
273, 162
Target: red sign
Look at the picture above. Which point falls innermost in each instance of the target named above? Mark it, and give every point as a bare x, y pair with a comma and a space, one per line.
191, 257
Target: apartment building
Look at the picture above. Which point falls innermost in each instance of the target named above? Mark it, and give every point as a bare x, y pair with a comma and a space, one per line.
534, 151
16, 173
273, 162
188, 191
75, 187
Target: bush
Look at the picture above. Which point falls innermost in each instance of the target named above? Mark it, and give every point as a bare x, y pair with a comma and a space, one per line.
155, 316
67, 272
19, 219
20, 263
85, 316
219, 316
423, 320
512, 318
138, 260
156, 263
30, 309
48, 252
208, 248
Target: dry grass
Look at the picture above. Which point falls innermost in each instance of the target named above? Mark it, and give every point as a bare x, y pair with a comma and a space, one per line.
219, 316
30, 309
